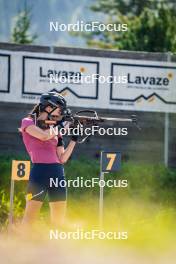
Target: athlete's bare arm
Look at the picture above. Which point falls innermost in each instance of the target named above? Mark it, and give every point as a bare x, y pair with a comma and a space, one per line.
39, 133
64, 154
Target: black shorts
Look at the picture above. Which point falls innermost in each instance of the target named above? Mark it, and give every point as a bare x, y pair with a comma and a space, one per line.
44, 179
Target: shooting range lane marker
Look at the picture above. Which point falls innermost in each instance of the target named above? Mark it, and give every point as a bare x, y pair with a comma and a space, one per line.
20, 172
109, 161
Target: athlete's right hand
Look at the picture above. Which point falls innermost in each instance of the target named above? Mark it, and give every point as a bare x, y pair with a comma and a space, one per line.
76, 125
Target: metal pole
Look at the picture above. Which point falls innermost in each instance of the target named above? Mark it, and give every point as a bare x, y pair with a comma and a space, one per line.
101, 196
51, 49
11, 202
166, 139
101, 202
166, 128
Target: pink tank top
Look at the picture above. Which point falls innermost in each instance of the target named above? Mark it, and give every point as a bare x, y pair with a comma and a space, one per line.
38, 150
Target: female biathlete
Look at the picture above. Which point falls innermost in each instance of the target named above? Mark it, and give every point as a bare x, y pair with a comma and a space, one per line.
47, 154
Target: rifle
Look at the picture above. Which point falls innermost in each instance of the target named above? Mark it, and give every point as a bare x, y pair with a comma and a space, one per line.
82, 119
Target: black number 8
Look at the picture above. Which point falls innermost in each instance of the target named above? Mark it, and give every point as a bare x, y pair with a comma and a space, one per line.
21, 170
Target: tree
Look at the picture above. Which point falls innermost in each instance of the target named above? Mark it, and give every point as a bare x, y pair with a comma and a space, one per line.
149, 29
20, 33
129, 7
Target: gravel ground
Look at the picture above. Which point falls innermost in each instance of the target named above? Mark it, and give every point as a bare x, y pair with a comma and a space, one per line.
23, 251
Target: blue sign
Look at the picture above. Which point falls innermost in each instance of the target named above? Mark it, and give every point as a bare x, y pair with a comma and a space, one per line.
110, 161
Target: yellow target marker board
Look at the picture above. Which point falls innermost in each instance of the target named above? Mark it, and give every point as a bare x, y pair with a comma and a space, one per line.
20, 170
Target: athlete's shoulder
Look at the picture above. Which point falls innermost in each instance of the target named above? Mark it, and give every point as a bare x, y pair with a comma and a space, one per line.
27, 121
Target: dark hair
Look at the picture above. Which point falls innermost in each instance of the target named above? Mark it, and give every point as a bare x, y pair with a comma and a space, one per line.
33, 114
35, 111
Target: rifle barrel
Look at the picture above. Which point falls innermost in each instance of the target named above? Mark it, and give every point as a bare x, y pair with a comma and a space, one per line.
103, 119
117, 119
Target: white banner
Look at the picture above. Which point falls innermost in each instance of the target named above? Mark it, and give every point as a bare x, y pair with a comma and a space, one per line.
4, 73
147, 86
71, 70
124, 84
